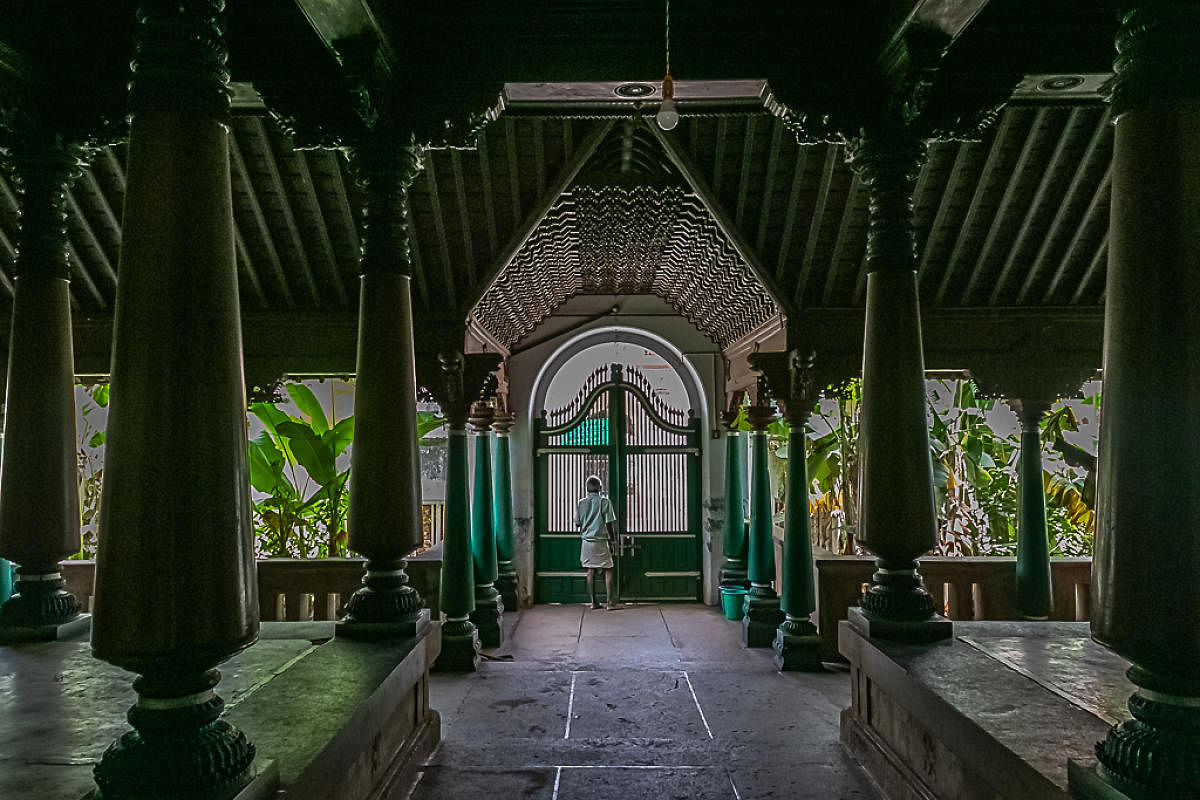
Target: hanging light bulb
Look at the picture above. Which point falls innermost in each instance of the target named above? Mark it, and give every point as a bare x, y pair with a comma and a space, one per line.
667, 117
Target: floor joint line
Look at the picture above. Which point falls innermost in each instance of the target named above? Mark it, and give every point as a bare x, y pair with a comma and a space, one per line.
570, 705
696, 700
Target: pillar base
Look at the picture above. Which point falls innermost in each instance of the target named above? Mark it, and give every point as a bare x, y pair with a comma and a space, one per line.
735, 577
460, 648
399, 629
488, 613
40, 601
506, 585
1086, 783
762, 619
385, 597
797, 647
1154, 755
181, 751
874, 626
77, 627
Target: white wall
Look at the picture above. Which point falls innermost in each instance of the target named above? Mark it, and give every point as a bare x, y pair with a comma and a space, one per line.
646, 314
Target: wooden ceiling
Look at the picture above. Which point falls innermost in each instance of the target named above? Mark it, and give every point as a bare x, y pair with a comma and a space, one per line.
737, 221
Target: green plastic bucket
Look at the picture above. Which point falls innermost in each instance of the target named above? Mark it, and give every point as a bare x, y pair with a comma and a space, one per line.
732, 599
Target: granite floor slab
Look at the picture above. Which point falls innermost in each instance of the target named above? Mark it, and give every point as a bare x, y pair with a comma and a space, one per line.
646, 701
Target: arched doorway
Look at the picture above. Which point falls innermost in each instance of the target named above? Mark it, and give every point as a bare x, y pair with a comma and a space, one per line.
646, 451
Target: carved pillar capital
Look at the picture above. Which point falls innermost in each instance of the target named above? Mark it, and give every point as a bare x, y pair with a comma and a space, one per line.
482, 415
760, 417
503, 421
385, 169
888, 160
179, 58
1158, 54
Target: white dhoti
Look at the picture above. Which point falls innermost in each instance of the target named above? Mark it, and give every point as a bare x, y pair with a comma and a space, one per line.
596, 553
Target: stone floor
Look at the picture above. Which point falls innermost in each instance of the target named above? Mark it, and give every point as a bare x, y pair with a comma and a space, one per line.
644, 701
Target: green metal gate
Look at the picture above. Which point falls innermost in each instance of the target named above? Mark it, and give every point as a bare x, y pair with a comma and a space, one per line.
647, 454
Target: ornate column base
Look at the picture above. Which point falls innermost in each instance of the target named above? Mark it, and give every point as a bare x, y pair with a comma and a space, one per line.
763, 617
386, 606
460, 647
506, 585
179, 747
896, 606
1155, 755
488, 614
874, 626
797, 646
41, 610
733, 573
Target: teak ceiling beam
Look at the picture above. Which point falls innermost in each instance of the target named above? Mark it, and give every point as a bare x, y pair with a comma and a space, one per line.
1010, 190
1070, 198
264, 230
818, 220
321, 228
324, 342
789, 216
541, 208
691, 173
1097, 205
285, 206
965, 231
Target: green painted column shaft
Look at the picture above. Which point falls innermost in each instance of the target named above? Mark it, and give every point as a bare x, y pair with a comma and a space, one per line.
1034, 592
502, 502
798, 594
761, 566
483, 531
6, 584
733, 571
458, 568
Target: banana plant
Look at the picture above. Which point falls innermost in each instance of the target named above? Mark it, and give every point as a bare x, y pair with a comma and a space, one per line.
303, 514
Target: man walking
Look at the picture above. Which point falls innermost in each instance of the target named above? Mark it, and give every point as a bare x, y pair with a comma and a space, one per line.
596, 520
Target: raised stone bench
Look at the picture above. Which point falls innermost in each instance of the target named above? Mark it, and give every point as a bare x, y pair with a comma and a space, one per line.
995, 712
339, 719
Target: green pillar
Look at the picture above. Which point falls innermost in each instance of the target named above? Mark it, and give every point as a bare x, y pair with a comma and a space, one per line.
1034, 592
489, 608
733, 571
796, 642
460, 638
897, 521
762, 603
176, 593
385, 479
1145, 603
39, 506
506, 578
6, 582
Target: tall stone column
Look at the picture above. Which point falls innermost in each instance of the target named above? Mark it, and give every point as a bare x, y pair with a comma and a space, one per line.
460, 638
733, 571
39, 505
1147, 553
762, 603
506, 578
1035, 596
896, 519
489, 608
385, 479
175, 582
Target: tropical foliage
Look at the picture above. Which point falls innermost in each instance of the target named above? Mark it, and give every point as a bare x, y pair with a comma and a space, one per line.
89, 460
975, 472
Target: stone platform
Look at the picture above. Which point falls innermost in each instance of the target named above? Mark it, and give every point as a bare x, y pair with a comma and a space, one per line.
340, 719
994, 712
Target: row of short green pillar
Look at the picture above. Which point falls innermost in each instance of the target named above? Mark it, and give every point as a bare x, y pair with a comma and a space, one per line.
750, 553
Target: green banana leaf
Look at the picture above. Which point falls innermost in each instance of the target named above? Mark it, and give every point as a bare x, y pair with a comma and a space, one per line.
309, 406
